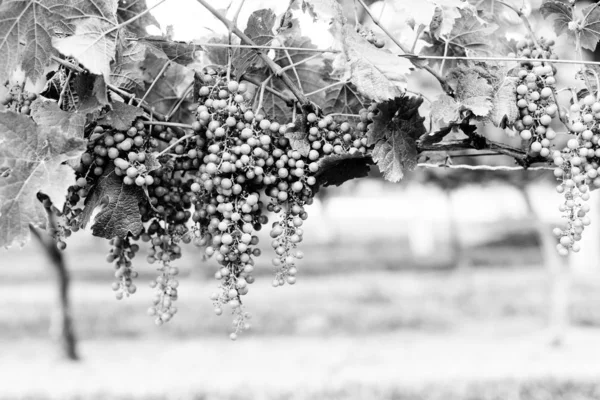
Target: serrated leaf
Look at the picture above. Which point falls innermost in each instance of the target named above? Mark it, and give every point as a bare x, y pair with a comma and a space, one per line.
472, 90
299, 142
121, 116
343, 99
47, 113
504, 110
119, 213
471, 34
27, 27
336, 169
260, 30
377, 74
445, 110
590, 30
31, 157
561, 11
93, 45
395, 128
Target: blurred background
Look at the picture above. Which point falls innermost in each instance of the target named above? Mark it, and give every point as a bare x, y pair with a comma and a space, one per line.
446, 286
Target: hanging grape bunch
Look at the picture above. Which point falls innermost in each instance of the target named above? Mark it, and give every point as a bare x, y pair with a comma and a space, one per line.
535, 96
17, 99
577, 170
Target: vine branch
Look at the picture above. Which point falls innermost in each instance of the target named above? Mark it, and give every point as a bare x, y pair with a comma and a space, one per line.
270, 63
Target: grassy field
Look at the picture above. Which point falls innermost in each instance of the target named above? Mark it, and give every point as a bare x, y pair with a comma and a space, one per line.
464, 335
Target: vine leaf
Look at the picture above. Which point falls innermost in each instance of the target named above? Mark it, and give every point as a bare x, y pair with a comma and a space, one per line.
336, 169
260, 30
343, 99
445, 110
561, 10
91, 92
378, 74
440, 15
28, 27
125, 70
590, 27
504, 110
48, 113
20, 20
471, 34
217, 55
32, 157
92, 45
396, 127
121, 116
299, 142
119, 212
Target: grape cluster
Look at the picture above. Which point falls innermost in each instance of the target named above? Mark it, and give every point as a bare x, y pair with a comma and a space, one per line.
18, 100
578, 168
121, 253
213, 185
535, 97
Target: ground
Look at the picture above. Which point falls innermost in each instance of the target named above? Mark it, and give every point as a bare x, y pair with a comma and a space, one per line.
366, 320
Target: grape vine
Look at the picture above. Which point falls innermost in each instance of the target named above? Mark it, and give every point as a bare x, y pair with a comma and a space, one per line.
152, 148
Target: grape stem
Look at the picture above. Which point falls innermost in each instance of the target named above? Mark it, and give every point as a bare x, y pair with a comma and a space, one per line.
447, 88
181, 139
270, 63
169, 124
